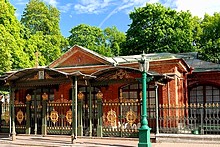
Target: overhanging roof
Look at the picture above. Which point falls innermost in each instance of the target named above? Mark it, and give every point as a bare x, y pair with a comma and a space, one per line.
23, 72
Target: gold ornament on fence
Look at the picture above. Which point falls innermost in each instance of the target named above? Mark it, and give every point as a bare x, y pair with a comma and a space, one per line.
111, 117
20, 116
28, 97
131, 117
80, 95
45, 96
69, 116
54, 116
6, 116
99, 95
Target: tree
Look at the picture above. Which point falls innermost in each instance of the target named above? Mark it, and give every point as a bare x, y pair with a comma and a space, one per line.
90, 37
106, 42
42, 23
155, 28
114, 39
210, 38
11, 39
5, 58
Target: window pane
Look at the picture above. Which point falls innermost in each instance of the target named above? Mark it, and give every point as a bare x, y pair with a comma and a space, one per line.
151, 93
133, 95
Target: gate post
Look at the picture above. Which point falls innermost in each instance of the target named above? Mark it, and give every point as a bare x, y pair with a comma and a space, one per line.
12, 94
0, 111
28, 128
80, 103
44, 119
99, 96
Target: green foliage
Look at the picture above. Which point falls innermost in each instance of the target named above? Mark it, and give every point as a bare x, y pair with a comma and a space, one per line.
105, 42
11, 39
5, 44
42, 32
210, 38
114, 39
155, 28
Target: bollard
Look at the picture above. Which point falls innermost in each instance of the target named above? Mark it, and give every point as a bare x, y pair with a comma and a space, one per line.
73, 137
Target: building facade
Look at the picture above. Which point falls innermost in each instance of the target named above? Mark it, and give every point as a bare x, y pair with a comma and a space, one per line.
86, 94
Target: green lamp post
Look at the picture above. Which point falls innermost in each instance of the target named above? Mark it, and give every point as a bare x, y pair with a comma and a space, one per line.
144, 131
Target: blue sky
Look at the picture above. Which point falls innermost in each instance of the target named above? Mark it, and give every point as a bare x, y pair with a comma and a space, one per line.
108, 13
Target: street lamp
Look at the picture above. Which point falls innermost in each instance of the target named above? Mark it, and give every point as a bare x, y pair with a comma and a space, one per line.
144, 130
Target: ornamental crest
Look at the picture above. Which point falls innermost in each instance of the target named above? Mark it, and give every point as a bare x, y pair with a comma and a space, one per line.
54, 116
131, 117
20, 116
111, 117
69, 116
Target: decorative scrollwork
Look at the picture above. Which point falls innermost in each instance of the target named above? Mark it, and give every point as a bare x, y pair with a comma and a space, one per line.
20, 116
54, 116
111, 117
131, 117
69, 116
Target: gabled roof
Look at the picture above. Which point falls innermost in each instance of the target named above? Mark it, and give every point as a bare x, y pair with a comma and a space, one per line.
80, 56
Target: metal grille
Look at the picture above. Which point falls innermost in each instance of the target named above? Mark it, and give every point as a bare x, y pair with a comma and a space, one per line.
193, 118
20, 117
57, 117
122, 118
5, 117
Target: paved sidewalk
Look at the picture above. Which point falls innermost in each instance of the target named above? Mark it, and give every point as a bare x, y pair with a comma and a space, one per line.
65, 141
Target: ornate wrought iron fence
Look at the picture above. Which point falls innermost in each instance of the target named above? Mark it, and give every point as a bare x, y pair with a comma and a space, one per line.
5, 117
59, 117
193, 118
20, 117
122, 118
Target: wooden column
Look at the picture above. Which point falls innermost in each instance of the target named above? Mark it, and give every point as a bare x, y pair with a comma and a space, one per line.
99, 96
44, 119
1, 110
12, 94
35, 112
28, 126
74, 109
80, 125
90, 110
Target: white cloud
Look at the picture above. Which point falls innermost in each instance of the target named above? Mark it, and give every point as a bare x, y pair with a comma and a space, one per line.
91, 6
65, 8
198, 8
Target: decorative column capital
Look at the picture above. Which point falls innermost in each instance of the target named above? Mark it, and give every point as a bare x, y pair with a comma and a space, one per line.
45, 96
99, 95
28, 98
